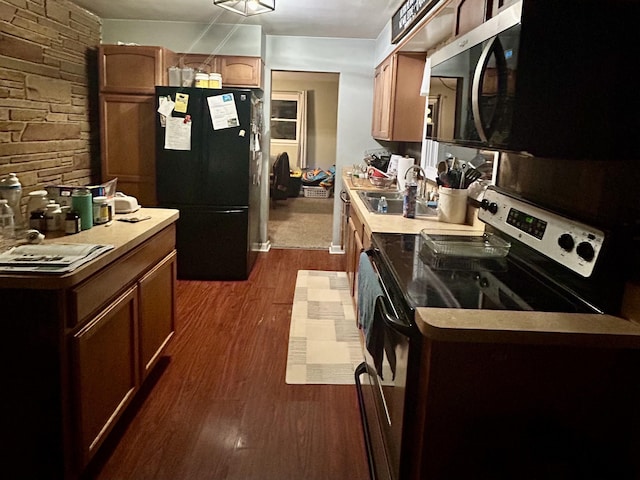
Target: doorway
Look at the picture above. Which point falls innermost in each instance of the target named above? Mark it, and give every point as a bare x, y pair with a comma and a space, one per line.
303, 219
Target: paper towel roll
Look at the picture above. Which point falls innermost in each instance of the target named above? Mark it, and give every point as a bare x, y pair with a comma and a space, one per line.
392, 168
403, 165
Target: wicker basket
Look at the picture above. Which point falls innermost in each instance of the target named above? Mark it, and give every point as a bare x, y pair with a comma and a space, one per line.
316, 192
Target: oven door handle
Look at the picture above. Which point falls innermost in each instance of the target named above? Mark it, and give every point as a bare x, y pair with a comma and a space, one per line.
391, 321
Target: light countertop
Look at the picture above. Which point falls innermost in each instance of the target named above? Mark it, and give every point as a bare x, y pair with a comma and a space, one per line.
374, 222
123, 236
544, 328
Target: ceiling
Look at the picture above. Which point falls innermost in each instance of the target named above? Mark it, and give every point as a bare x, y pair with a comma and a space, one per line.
308, 18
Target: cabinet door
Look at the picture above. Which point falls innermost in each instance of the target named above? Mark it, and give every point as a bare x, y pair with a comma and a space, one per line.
201, 63
157, 312
240, 71
469, 14
132, 68
127, 139
382, 100
105, 371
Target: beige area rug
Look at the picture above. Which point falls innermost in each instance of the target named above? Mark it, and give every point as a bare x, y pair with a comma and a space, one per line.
301, 222
324, 343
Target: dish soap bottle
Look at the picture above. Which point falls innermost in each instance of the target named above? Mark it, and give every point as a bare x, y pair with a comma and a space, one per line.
382, 205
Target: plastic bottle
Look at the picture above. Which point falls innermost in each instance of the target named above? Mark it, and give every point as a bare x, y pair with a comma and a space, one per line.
7, 221
409, 199
11, 190
382, 205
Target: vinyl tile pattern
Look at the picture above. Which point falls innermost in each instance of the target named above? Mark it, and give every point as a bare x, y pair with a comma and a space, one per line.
218, 406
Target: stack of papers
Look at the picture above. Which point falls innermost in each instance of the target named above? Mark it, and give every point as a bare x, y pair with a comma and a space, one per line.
50, 258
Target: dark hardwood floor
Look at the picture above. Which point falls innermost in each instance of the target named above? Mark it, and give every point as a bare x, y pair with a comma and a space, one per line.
218, 407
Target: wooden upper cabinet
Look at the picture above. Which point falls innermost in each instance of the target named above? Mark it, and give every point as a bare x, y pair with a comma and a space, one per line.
236, 71
469, 14
398, 108
202, 63
133, 68
240, 71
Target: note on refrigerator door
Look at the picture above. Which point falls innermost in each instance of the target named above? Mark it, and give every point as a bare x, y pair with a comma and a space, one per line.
222, 109
177, 135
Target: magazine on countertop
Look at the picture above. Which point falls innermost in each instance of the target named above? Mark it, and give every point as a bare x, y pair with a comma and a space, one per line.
50, 258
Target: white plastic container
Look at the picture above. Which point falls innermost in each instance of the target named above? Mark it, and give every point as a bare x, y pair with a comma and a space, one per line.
175, 76
215, 80
186, 77
202, 80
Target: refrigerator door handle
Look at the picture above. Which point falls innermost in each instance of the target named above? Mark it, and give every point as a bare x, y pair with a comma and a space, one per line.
229, 211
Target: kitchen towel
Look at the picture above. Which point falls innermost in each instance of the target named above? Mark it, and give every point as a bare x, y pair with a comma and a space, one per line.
369, 290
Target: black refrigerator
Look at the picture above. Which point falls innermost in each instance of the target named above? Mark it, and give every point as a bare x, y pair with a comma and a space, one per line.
208, 167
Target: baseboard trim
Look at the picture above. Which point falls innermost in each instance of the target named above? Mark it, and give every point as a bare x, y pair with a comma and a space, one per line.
336, 249
265, 246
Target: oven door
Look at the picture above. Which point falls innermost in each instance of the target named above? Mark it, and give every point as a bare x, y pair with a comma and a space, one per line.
381, 381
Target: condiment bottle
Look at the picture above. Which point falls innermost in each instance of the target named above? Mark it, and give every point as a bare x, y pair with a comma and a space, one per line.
37, 220
72, 223
100, 210
52, 217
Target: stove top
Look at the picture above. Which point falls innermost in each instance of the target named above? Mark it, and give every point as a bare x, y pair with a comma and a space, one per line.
554, 264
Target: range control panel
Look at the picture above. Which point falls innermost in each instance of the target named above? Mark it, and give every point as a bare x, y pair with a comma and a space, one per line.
568, 242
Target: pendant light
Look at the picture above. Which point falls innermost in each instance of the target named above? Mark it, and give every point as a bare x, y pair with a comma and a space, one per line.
247, 7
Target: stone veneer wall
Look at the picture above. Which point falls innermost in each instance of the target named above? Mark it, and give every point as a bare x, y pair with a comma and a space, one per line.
49, 128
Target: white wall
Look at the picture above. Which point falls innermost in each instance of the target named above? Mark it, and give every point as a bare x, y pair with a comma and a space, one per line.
353, 59
184, 37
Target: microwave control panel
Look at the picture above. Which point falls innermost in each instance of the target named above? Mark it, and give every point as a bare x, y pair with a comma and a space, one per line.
568, 242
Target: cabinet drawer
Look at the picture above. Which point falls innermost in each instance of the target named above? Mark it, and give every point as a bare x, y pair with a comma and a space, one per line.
88, 297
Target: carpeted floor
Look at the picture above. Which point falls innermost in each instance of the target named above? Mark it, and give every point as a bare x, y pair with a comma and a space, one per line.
324, 342
301, 222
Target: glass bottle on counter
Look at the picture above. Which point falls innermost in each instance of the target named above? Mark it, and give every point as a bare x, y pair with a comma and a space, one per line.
72, 223
7, 221
52, 217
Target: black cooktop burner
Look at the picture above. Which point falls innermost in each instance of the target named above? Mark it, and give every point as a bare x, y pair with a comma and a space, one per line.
455, 282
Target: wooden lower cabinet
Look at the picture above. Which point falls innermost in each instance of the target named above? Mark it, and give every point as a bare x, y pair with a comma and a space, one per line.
78, 355
105, 371
115, 351
157, 312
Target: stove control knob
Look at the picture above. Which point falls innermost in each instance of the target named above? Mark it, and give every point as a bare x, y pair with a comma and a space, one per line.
585, 251
566, 242
491, 206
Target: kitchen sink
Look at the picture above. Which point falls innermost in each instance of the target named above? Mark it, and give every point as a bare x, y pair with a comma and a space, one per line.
394, 203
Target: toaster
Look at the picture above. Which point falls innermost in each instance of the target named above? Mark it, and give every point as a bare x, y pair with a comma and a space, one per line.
125, 203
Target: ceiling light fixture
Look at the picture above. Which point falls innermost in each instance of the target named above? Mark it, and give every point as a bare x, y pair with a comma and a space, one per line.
247, 7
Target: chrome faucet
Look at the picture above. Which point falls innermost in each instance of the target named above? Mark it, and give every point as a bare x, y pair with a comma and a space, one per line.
423, 183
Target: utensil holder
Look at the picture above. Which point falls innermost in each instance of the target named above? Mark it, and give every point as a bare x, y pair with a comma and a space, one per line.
452, 205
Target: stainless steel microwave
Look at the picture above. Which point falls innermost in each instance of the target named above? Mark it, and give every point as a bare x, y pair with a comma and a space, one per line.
548, 78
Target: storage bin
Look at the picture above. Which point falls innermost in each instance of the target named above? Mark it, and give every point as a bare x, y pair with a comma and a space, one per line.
316, 192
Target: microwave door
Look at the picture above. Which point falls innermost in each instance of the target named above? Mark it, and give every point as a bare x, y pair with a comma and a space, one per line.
489, 92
